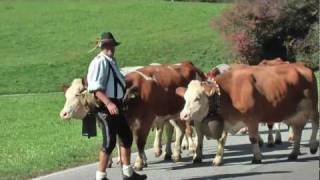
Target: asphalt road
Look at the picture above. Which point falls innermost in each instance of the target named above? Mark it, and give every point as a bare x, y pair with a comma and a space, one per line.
237, 163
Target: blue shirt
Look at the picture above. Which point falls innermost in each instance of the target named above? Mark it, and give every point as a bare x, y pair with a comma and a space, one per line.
100, 76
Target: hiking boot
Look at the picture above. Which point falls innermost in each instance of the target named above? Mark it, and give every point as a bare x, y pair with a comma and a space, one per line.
103, 178
135, 176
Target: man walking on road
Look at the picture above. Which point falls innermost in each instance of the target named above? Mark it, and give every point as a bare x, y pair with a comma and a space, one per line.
108, 85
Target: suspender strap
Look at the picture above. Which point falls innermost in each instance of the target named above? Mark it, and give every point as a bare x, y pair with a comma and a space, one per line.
108, 76
116, 81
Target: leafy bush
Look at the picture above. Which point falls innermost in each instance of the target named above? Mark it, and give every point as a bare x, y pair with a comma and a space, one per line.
265, 29
212, 1
307, 49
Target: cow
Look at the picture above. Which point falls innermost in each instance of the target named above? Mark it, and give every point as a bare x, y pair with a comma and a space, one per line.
253, 94
150, 100
244, 130
277, 139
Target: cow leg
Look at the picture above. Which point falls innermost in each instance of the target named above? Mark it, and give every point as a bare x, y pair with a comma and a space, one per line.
169, 133
278, 139
188, 135
290, 134
254, 139
118, 149
109, 164
270, 135
195, 141
218, 160
185, 142
297, 131
179, 129
141, 137
197, 158
260, 141
157, 146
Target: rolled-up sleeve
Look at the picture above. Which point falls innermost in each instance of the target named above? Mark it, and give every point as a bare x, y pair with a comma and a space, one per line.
96, 76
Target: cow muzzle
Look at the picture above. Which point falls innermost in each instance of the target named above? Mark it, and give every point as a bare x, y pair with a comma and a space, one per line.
64, 115
185, 116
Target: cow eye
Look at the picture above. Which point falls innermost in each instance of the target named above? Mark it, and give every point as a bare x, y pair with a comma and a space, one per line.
197, 98
78, 94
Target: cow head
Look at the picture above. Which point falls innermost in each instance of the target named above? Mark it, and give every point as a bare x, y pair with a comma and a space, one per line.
197, 99
73, 107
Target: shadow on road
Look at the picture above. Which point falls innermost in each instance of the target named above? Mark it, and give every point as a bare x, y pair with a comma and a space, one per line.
236, 150
238, 160
267, 131
235, 175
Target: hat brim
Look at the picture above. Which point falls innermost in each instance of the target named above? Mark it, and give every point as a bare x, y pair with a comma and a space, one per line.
109, 41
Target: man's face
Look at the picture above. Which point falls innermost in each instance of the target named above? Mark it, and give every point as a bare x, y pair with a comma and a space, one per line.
110, 50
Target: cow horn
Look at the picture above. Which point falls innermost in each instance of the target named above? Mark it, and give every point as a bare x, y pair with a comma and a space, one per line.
210, 87
130, 93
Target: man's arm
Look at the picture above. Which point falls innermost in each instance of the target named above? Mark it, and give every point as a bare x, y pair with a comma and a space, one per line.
96, 84
112, 108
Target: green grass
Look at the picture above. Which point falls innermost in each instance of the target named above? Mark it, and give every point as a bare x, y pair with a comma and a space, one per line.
35, 141
44, 44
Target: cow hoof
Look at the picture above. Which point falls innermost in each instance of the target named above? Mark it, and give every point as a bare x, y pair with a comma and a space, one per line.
256, 161
260, 143
270, 145
278, 141
138, 168
217, 163
109, 165
158, 153
167, 157
145, 165
176, 158
197, 160
293, 157
290, 139
314, 146
192, 151
313, 151
138, 165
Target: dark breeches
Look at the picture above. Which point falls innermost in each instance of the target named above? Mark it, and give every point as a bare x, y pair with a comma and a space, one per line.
113, 125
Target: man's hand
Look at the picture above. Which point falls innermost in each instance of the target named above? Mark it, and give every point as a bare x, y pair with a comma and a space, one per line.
112, 108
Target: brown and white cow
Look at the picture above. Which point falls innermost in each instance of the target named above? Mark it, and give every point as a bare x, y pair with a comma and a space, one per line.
150, 100
277, 139
271, 139
255, 94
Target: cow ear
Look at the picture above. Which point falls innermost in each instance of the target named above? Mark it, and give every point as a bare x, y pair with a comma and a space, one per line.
84, 81
209, 88
65, 88
180, 91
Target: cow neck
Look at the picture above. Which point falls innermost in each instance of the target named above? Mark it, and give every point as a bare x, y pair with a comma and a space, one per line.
215, 99
88, 101
84, 102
